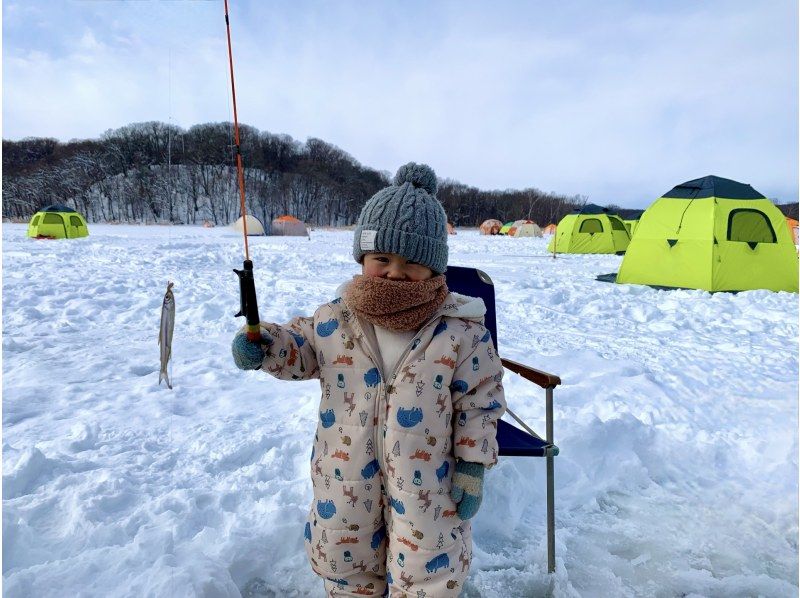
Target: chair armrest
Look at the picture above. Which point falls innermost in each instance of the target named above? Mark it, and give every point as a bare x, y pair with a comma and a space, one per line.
539, 377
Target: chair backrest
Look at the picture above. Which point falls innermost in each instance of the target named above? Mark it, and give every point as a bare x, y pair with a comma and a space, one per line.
475, 283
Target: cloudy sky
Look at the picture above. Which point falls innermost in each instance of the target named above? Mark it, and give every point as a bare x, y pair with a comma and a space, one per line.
615, 100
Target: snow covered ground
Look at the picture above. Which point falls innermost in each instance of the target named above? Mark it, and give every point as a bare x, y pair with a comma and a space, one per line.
677, 422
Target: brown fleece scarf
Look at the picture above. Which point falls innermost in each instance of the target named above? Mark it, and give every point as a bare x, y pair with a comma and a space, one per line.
395, 304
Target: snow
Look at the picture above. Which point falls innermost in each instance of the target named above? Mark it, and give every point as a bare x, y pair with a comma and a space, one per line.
677, 423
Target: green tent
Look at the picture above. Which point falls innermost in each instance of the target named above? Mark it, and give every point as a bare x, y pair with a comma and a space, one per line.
713, 234
57, 222
590, 229
505, 228
631, 220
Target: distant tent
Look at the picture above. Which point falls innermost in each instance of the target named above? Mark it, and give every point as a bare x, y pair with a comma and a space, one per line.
525, 228
504, 229
632, 219
254, 226
490, 227
591, 229
289, 226
57, 222
713, 234
550, 229
792, 224
451, 230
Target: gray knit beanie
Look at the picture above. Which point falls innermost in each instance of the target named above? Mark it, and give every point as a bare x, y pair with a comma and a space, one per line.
405, 218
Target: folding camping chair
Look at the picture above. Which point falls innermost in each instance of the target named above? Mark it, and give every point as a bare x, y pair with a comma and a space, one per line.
513, 441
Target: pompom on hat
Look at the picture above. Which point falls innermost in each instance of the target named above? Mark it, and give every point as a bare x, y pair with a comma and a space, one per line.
405, 218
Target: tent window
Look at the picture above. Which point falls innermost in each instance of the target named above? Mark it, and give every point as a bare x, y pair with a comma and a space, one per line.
75, 221
35, 220
591, 226
52, 219
617, 224
750, 226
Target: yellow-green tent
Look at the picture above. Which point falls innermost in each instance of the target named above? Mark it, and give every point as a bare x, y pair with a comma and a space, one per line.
505, 228
631, 226
590, 229
713, 234
57, 222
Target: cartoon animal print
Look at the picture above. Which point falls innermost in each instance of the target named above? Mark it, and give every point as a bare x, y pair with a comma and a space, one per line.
398, 506
389, 466
377, 538
459, 386
440, 403
346, 440
447, 513
292, 356
328, 418
345, 359
437, 562
441, 472
425, 497
340, 454
464, 441
317, 468
408, 375
347, 540
361, 566
452, 584
350, 496
445, 360
350, 401
406, 580
372, 377
464, 560
408, 543
276, 369
320, 554
408, 418
327, 328
420, 454
370, 469
326, 509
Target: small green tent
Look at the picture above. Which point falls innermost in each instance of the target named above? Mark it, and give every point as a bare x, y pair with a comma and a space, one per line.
713, 234
57, 222
506, 227
590, 229
631, 220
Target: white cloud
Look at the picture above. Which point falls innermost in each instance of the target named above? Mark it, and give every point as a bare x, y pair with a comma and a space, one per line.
617, 102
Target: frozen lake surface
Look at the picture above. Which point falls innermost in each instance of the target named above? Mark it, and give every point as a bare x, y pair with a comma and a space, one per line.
677, 423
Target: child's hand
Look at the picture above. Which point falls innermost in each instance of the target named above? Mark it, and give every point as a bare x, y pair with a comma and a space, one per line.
248, 355
467, 489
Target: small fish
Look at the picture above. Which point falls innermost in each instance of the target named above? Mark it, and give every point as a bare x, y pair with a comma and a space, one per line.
165, 333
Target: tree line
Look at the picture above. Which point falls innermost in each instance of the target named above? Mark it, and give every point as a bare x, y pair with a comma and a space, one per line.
154, 172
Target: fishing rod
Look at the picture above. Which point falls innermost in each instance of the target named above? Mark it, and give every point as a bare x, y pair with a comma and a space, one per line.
248, 304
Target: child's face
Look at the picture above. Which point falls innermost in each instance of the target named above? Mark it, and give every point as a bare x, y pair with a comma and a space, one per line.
394, 267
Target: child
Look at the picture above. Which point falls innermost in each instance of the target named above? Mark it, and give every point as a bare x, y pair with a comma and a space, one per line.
411, 395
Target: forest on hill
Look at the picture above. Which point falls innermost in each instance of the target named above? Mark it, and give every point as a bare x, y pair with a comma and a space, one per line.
153, 172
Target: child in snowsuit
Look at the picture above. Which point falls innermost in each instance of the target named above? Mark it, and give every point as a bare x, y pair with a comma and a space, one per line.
411, 395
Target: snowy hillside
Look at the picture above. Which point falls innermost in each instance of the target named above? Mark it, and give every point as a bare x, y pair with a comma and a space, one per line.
677, 422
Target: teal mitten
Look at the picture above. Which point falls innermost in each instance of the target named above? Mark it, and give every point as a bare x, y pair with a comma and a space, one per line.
467, 489
248, 355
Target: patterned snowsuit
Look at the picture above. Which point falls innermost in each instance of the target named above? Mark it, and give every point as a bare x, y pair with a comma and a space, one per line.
386, 444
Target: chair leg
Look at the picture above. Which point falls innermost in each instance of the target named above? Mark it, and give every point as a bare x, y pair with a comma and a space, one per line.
551, 513
551, 518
